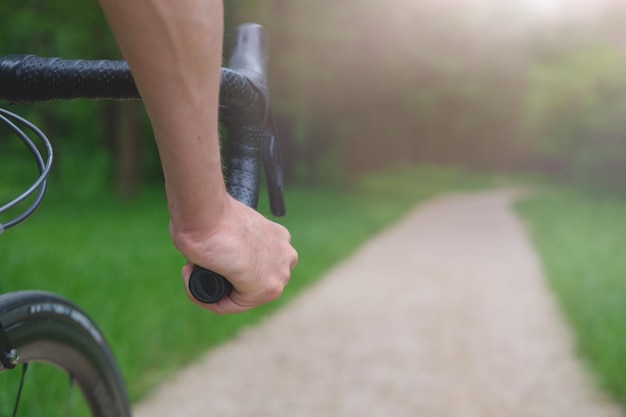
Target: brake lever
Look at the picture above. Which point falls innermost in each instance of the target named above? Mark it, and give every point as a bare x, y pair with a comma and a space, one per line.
270, 149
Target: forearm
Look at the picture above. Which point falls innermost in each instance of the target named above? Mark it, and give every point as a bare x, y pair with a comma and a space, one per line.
174, 52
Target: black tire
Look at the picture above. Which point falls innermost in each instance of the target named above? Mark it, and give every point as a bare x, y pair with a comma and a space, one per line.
44, 327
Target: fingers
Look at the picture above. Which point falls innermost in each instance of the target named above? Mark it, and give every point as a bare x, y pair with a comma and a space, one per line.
252, 252
293, 259
235, 302
291, 252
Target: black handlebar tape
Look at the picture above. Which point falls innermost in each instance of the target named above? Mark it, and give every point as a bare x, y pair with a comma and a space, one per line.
243, 178
29, 78
245, 128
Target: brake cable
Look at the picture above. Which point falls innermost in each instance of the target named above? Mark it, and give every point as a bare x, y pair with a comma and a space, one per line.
12, 120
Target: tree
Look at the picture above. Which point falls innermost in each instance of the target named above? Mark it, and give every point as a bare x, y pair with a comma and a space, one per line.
80, 130
577, 104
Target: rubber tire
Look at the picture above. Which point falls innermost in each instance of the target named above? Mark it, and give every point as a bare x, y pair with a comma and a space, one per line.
44, 327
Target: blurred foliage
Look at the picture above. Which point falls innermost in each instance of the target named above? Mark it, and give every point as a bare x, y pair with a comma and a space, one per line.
366, 84
67, 28
380, 85
84, 133
576, 108
363, 85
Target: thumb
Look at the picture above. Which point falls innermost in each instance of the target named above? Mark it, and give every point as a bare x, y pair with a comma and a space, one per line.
186, 274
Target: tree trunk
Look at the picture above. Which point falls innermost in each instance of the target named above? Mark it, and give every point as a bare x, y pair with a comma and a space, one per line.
128, 148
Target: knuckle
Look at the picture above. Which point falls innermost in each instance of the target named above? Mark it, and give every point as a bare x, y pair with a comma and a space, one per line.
293, 259
274, 291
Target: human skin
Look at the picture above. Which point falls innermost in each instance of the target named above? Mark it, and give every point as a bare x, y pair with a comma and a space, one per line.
174, 51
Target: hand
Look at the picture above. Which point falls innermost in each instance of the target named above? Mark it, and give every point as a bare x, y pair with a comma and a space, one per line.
253, 253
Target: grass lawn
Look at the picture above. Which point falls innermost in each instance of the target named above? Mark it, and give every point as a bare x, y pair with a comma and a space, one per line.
581, 238
116, 261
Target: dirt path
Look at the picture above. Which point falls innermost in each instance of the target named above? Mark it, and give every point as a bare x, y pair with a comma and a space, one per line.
446, 314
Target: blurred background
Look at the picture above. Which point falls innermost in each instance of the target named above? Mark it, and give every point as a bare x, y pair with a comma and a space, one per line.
363, 85
491, 84
379, 104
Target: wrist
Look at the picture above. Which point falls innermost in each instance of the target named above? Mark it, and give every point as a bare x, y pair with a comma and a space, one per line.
189, 229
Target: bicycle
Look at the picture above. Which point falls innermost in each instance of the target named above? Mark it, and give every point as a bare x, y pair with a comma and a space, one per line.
38, 326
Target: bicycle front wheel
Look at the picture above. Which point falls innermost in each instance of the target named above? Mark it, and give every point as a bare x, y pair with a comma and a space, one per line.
46, 328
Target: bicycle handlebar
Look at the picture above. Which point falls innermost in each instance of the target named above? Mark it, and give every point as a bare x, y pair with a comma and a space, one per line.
244, 110
30, 78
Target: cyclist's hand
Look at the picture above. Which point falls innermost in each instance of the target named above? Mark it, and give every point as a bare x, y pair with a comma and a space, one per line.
252, 252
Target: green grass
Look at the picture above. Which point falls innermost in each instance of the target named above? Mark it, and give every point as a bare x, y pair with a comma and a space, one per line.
581, 238
116, 261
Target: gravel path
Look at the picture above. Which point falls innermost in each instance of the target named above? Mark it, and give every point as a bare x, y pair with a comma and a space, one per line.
445, 314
